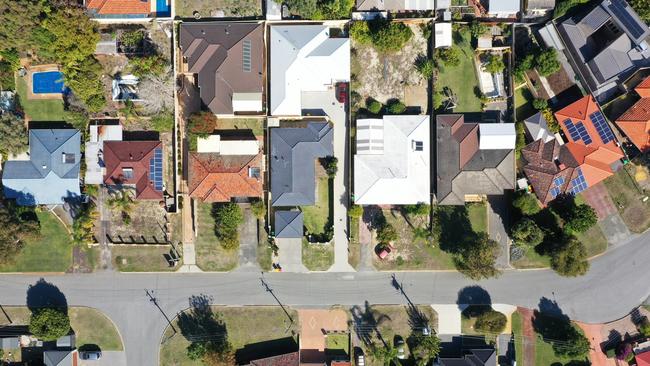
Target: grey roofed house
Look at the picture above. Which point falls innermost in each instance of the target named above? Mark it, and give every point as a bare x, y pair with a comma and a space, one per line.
288, 224
60, 358
293, 157
464, 168
8, 343
51, 175
228, 59
540, 4
472, 357
537, 127
608, 43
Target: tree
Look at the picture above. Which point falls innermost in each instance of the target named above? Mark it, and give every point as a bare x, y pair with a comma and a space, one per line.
157, 92
202, 123
373, 106
491, 321
425, 67
570, 259
477, 258
581, 218
523, 65
424, 348
13, 134
386, 233
564, 6
305, 8
642, 7
258, 208
546, 62
540, 104
49, 324
330, 163
75, 37
477, 29
84, 222
449, 56
19, 19
86, 83
360, 32
149, 66
576, 344
526, 203
644, 327
228, 217
420, 209
132, 38
15, 231
494, 64
123, 202
526, 233
355, 211
386, 355
390, 36
396, 107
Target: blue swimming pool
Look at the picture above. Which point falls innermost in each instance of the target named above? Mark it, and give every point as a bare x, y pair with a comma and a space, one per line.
47, 82
162, 8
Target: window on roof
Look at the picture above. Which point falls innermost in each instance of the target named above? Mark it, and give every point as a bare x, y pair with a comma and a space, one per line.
254, 172
246, 57
67, 158
418, 145
127, 173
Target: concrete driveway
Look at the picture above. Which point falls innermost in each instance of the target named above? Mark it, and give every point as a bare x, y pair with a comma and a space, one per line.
248, 243
109, 358
290, 254
449, 318
498, 216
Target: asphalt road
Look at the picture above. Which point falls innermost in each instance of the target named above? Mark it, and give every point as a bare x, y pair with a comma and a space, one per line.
616, 283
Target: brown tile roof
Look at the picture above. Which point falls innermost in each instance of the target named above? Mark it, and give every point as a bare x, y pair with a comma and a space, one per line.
287, 359
136, 155
219, 178
635, 122
643, 89
119, 6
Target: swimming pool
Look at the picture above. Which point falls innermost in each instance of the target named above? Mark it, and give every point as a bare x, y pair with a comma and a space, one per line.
47, 82
162, 8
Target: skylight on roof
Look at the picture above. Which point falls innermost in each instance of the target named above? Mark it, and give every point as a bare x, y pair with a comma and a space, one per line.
246, 57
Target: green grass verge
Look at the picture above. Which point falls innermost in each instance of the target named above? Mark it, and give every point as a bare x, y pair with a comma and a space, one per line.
317, 257
317, 216
628, 200
477, 213
132, 258
462, 79
337, 345
524, 103
93, 327
264, 251
50, 252
210, 255
38, 110
354, 253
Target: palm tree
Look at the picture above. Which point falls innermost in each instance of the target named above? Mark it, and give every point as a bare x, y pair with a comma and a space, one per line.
387, 354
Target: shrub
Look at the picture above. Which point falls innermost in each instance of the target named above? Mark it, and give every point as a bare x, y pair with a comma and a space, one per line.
386, 233
360, 32
396, 107
477, 29
527, 233
521, 138
526, 203
227, 219
132, 38
546, 62
425, 67
449, 56
202, 123
391, 36
330, 163
570, 260
437, 99
540, 104
491, 321
163, 122
644, 327
420, 209
373, 106
355, 211
581, 218
49, 324
148, 65
258, 208
551, 122
494, 64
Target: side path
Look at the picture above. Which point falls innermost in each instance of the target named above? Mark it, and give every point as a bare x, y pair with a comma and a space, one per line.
594, 298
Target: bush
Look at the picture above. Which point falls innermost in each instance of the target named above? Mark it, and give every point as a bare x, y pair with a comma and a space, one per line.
526, 203
360, 32
7, 80
163, 122
449, 56
540, 104
491, 321
420, 209
330, 163
580, 218
132, 38
49, 324
202, 123
564, 6
374, 106
477, 29
526, 233
642, 7
396, 107
570, 260
228, 217
437, 99
384, 35
494, 64
521, 138
259, 209
355, 211
644, 327
546, 62
386, 234
425, 67
148, 65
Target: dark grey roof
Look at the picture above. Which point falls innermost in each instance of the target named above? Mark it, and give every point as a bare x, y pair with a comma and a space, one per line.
540, 4
58, 358
293, 154
472, 357
288, 224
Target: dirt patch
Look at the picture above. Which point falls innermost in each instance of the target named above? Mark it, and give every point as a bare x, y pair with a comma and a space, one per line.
146, 226
83, 260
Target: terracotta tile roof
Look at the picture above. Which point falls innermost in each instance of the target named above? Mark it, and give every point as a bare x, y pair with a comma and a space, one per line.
635, 122
219, 178
119, 6
121, 155
643, 89
643, 359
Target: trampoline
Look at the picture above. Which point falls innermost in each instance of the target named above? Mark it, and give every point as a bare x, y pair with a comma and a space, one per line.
47, 82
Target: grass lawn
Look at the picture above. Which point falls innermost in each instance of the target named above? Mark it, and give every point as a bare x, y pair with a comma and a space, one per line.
517, 326
264, 251
462, 79
594, 240
354, 253
477, 213
39, 110
244, 325
628, 200
524, 103
337, 344
208, 8
254, 124
50, 252
317, 216
133, 258
210, 255
91, 326
317, 257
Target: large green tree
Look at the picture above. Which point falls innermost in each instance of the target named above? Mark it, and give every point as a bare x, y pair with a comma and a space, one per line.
570, 259
228, 217
75, 37
424, 348
494, 64
13, 134
526, 233
642, 7
19, 19
581, 218
477, 257
491, 321
546, 62
14, 233
49, 324
526, 203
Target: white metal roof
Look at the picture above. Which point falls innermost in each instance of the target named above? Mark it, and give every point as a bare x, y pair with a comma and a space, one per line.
304, 58
214, 144
503, 6
419, 4
443, 34
370, 136
497, 136
247, 102
400, 174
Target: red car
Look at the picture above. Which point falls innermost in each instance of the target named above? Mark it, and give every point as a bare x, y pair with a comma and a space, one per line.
342, 92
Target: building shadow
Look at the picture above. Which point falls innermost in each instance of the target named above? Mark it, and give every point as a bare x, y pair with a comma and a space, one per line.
259, 350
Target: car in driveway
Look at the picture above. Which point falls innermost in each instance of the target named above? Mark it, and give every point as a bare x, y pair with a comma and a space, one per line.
90, 355
342, 92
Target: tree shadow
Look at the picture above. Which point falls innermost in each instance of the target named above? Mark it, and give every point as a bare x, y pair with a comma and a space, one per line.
455, 228
45, 294
366, 322
550, 322
373, 216
563, 205
199, 325
473, 301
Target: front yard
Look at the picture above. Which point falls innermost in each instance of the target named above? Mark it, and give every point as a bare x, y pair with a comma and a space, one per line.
50, 252
316, 217
210, 255
247, 328
256, 125
135, 258
628, 198
46, 110
477, 214
317, 256
218, 8
145, 223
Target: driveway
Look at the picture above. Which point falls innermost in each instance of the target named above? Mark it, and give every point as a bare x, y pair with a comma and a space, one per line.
109, 358
596, 356
609, 219
248, 243
290, 254
449, 318
498, 217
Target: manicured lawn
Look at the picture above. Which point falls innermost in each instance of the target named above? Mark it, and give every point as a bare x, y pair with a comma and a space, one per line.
50, 252
337, 344
524, 103
317, 257
317, 216
516, 322
38, 110
210, 255
628, 200
254, 124
477, 213
133, 258
462, 79
244, 326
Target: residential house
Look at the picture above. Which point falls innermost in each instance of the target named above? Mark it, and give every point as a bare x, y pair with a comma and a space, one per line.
607, 43
539, 8
94, 154
503, 8
635, 122
471, 357
396, 5
392, 163
287, 359
288, 224
442, 35
642, 359
304, 58
473, 159
51, 175
537, 128
222, 170
127, 9
293, 155
61, 358
137, 164
228, 61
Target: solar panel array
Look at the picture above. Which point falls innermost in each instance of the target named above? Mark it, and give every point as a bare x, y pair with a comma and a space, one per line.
555, 191
602, 127
577, 131
578, 184
622, 14
559, 181
155, 169
246, 59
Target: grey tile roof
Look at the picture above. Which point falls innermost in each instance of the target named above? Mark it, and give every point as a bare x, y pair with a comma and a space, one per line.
293, 154
472, 357
59, 358
288, 224
51, 174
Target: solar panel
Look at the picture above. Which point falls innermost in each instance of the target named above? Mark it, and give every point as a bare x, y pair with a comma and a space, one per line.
578, 184
156, 169
602, 127
622, 14
246, 59
555, 192
559, 181
584, 135
573, 131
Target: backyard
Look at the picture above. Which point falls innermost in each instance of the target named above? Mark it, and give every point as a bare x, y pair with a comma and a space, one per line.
247, 329
136, 258
461, 79
51, 251
316, 217
627, 197
524, 103
210, 255
38, 110
317, 256
256, 125
477, 214
218, 8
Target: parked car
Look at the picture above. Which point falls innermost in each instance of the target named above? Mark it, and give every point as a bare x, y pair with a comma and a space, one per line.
399, 344
342, 92
361, 360
90, 355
